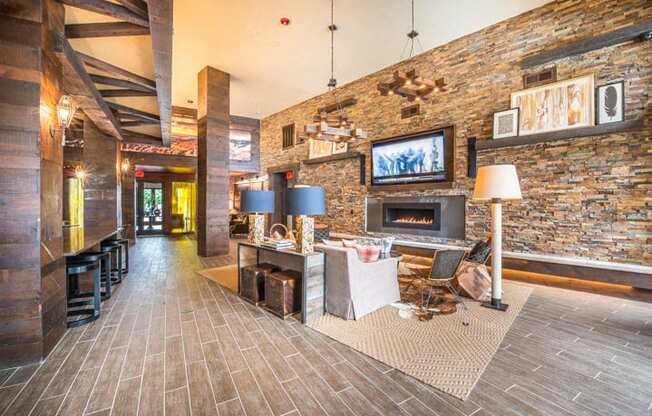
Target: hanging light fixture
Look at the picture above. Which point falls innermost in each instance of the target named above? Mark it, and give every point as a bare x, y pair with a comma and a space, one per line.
336, 126
65, 112
409, 84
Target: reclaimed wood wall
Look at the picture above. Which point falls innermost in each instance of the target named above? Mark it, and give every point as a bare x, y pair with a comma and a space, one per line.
32, 285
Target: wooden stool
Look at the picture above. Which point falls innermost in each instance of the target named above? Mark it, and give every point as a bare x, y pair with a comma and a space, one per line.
252, 282
283, 293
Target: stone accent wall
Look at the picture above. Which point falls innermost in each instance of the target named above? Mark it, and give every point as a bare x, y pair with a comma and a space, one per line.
587, 197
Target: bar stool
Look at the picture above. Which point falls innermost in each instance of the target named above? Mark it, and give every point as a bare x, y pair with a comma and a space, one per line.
116, 253
125, 247
104, 258
77, 299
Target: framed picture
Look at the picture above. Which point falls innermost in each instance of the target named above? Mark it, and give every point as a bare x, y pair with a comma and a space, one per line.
558, 106
319, 148
610, 102
506, 123
341, 147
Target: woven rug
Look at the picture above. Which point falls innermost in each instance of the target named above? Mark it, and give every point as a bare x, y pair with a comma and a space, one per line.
226, 276
441, 352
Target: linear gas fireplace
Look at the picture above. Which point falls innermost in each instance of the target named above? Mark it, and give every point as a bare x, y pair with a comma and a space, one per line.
440, 216
420, 216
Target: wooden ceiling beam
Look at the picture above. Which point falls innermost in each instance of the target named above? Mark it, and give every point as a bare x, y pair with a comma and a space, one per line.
160, 25
116, 82
126, 93
138, 123
137, 6
104, 30
78, 84
108, 9
132, 111
141, 138
112, 69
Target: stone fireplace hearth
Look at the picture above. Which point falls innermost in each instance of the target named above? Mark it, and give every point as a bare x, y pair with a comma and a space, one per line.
437, 216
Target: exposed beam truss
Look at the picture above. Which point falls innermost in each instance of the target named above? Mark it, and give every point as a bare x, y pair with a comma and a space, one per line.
126, 93
160, 25
112, 69
104, 30
109, 9
125, 110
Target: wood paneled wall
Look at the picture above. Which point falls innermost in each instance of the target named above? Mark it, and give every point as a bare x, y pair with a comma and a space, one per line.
101, 159
32, 286
213, 163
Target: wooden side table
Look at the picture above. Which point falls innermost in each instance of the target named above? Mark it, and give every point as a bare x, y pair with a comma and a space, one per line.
310, 266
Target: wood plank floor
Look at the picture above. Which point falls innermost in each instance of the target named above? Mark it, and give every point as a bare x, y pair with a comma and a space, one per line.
170, 342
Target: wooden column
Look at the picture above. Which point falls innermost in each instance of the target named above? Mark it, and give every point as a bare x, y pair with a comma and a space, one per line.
213, 163
32, 283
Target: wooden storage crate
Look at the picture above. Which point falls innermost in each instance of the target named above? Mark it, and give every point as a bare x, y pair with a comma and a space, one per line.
283, 293
252, 282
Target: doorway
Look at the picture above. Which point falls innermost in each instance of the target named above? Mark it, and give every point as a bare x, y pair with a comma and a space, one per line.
149, 208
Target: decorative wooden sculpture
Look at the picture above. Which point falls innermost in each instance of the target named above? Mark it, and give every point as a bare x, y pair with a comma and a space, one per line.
409, 85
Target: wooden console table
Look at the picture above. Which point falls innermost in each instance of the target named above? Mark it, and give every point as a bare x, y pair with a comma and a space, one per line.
311, 267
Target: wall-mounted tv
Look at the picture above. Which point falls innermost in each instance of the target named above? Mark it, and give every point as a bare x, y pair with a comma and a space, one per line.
418, 158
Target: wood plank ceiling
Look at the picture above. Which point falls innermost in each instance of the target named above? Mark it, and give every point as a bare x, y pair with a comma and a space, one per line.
83, 73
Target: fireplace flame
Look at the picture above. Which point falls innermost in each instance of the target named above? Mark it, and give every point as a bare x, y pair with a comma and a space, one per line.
414, 220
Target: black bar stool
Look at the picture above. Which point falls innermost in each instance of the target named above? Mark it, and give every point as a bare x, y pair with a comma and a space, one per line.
116, 253
78, 300
125, 248
105, 271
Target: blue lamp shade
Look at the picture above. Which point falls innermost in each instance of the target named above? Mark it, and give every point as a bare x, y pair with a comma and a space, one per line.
306, 201
257, 201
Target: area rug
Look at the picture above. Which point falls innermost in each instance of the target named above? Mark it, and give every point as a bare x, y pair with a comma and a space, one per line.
226, 276
441, 352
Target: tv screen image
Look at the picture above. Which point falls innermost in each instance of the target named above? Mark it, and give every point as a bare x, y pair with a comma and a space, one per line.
413, 159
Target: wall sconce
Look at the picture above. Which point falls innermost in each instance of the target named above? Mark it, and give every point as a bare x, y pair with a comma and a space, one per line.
125, 165
65, 111
80, 173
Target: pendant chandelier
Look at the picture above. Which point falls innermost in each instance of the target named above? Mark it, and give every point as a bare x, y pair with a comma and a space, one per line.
409, 84
333, 126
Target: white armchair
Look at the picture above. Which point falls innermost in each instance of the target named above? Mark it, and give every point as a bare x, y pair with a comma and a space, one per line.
354, 288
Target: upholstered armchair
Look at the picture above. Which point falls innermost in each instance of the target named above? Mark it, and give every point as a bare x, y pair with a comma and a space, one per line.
354, 288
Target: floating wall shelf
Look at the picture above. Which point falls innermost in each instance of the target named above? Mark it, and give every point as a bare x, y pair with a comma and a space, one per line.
561, 135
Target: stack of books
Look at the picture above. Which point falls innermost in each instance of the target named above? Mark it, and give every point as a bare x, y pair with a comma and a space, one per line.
278, 244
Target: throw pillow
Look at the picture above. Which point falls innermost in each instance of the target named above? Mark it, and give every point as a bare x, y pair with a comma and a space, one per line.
475, 281
332, 243
368, 254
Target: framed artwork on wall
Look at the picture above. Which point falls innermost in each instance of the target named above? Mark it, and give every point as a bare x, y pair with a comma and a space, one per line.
558, 106
610, 102
319, 148
506, 123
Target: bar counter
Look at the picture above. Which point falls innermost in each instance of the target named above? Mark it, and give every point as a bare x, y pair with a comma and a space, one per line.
79, 239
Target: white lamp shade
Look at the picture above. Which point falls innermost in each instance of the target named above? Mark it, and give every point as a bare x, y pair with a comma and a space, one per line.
497, 182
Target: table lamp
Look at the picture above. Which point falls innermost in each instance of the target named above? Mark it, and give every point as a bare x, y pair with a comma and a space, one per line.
303, 201
256, 203
496, 183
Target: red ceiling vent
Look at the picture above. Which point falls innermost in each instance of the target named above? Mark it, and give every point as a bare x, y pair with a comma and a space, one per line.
285, 21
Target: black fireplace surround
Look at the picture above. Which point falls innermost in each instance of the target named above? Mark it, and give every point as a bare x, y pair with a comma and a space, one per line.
437, 216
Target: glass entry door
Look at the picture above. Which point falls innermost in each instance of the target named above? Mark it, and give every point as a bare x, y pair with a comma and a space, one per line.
150, 208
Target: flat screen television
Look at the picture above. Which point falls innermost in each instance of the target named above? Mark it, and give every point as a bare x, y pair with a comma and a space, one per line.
418, 158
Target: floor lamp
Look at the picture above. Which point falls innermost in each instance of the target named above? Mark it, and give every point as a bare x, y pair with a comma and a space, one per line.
256, 203
496, 183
